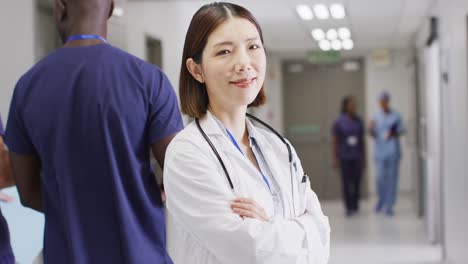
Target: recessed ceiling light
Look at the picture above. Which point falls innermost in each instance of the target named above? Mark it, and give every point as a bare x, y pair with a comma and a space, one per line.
325, 45
304, 12
318, 34
337, 11
321, 11
344, 33
348, 44
332, 34
336, 44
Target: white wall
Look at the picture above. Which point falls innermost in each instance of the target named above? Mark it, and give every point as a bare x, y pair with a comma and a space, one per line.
17, 56
16, 24
272, 111
166, 21
454, 56
397, 79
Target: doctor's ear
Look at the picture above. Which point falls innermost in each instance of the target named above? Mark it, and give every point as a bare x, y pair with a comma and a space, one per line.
195, 70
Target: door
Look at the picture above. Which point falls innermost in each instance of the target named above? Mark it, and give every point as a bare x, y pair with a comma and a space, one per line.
312, 101
432, 157
154, 51
154, 56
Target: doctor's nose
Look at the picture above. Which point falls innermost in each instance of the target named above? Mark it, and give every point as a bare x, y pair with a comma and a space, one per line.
243, 63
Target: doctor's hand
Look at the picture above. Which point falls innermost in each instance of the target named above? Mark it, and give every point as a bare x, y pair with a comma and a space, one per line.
246, 207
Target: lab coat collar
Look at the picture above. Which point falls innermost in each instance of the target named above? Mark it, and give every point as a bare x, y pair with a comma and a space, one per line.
256, 135
210, 126
213, 126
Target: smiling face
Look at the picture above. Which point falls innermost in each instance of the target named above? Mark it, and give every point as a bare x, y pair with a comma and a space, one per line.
233, 64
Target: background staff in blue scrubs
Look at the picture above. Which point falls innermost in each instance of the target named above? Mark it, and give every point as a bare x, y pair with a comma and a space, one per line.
386, 129
81, 125
349, 153
6, 180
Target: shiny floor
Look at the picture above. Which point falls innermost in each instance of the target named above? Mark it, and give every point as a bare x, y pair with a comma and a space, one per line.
368, 238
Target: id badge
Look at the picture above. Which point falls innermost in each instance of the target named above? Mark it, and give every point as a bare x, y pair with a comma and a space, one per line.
352, 141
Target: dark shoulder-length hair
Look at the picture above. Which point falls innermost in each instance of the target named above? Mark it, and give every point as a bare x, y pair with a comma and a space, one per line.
344, 103
193, 95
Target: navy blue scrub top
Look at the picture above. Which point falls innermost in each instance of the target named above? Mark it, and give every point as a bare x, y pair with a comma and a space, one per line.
6, 253
90, 114
350, 133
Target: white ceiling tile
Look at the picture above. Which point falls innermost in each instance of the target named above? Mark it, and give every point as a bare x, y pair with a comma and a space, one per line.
373, 23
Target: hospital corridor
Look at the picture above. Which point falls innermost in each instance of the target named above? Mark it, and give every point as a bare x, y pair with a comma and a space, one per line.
242, 131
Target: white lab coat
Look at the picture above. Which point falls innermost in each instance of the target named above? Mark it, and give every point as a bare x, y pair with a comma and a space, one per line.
201, 227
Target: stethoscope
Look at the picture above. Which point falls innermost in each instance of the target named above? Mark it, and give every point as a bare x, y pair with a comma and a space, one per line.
290, 156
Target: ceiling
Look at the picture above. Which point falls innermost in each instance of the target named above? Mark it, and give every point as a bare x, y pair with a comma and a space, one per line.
373, 23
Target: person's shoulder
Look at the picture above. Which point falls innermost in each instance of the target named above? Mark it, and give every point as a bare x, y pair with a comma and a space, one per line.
187, 137
271, 138
395, 114
190, 146
144, 65
39, 65
25, 79
277, 144
379, 115
147, 73
339, 119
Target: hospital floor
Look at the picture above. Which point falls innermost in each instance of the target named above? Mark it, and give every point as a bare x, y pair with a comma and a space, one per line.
368, 238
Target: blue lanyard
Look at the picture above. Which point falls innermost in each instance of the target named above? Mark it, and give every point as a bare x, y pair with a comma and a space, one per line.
80, 37
237, 146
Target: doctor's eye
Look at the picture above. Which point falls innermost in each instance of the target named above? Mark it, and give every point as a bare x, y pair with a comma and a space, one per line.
255, 46
223, 52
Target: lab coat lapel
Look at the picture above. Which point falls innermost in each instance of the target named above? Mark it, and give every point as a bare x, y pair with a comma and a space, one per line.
272, 157
278, 163
226, 149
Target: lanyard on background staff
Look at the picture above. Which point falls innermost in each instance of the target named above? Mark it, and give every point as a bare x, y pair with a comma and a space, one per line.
81, 37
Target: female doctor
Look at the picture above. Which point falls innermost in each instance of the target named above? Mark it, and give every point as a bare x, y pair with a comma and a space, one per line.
236, 193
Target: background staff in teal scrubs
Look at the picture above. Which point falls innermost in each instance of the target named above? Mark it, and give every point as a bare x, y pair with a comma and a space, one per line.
386, 129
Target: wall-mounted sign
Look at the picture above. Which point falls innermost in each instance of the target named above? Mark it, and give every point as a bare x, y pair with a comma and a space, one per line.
331, 56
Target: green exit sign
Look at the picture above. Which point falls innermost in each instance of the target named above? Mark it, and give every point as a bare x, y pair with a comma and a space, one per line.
323, 56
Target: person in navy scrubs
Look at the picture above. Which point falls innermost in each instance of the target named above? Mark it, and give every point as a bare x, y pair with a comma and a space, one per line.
349, 153
6, 180
81, 125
